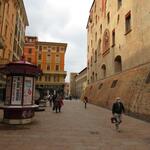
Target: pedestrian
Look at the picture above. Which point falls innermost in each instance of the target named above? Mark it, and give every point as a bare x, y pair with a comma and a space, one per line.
54, 96
85, 102
50, 99
58, 103
117, 110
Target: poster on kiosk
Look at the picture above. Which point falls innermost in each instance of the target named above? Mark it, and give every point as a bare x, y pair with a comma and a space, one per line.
28, 84
17, 90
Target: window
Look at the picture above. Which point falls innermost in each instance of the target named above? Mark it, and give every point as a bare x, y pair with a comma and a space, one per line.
128, 22
103, 68
57, 67
12, 18
30, 40
29, 59
119, 4
54, 78
99, 46
88, 64
108, 17
148, 79
48, 67
10, 38
113, 38
30, 50
91, 43
96, 76
101, 28
49, 78
0, 5
91, 60
46, 78
40, 48
45, 47
95, 36
39, 65
48, 57
57, 59
93, 77
57, 49
114, 83
57, 79
118, 64
39, 57
6, 30
96, 19
95, 56
100, 86
118, 18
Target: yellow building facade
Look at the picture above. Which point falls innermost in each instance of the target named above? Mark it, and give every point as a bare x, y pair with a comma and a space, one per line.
118, 37
13, 22
50, 57
118, 47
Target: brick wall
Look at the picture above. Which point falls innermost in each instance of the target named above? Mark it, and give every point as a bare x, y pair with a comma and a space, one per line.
130, 86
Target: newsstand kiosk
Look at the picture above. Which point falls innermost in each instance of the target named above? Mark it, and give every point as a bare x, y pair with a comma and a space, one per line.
19, 103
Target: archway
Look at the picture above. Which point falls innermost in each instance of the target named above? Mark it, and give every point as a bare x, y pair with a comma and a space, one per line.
118, 64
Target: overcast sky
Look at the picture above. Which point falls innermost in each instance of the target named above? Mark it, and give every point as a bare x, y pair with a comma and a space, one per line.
61, 21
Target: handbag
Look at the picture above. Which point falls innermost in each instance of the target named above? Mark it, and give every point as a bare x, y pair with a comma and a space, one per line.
113, 120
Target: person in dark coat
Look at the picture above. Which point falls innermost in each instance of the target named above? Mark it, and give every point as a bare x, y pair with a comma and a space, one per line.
85, 102
58, 103
117, 110
54, 96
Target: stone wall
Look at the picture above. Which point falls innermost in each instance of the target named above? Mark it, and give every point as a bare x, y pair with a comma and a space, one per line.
130, 85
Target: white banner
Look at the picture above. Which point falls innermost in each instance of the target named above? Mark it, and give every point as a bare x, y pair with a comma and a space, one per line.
28, 91
17, 90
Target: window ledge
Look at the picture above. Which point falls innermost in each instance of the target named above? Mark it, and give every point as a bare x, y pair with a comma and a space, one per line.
113, 45
128, 32
106, 52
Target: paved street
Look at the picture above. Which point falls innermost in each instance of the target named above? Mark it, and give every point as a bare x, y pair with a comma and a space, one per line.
75, 129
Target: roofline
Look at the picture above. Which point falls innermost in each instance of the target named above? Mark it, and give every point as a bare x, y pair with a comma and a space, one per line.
28, 36
92, 5
83, 70
52, 43
24, 11
89, 12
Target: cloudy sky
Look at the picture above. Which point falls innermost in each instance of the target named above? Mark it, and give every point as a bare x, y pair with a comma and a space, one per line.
61, 21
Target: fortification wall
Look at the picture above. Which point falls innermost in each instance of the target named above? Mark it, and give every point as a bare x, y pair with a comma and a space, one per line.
130, 85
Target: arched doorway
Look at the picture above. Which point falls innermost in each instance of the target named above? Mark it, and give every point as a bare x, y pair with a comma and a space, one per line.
118, 64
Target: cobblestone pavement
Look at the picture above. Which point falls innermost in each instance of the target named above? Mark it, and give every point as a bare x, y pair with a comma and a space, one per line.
75, 128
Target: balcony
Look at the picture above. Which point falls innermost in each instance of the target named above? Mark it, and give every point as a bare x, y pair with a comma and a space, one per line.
55, 72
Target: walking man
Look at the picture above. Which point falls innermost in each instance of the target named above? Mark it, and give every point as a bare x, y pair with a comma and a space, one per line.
85, 102
117, 110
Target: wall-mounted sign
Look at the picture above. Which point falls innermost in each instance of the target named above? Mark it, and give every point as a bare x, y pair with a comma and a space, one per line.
17, 90
28, 91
